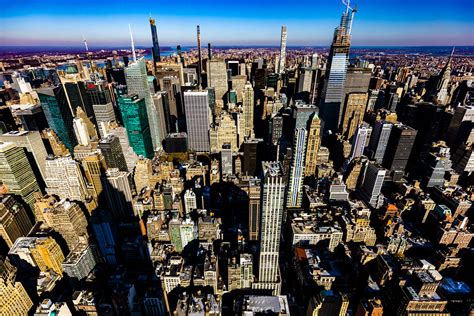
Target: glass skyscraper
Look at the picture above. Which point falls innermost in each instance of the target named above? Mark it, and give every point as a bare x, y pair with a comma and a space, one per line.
58, 114
135, 120
333, 91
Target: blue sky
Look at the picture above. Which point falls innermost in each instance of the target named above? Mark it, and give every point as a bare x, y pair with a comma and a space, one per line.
241, 22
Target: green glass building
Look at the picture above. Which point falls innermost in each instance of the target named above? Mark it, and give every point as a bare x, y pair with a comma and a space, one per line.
58, 114
135, 120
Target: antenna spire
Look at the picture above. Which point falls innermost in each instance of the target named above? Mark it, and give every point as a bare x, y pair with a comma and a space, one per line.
85, 43
133, 45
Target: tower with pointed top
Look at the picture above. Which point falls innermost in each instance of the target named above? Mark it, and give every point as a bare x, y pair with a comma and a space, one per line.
333, 90
156, 45
443, 81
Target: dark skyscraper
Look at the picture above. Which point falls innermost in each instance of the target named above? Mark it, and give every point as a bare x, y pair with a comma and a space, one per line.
199, 55
156, 45
398, 150
112, 151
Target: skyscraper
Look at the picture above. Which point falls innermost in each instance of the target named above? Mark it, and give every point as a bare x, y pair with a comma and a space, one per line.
94, 166
273, 194
103, 113
58, 114
333, 90
301, 114
16, 174
118, 193
353, 113
360, 140
112, 152
312, 147
64, 178
399, 147
248, 108
198, 120
217, 78
372, 185
199, 57
14, 220
156, 46
137, 83
14, 299
135, 120
282, 59
190, 202
379, 139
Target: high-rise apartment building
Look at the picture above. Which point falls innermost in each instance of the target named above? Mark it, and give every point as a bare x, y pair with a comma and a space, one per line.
156, 45
198, 120
273, 198
136, 122
16, 174
14, 220
137, 83
282, 57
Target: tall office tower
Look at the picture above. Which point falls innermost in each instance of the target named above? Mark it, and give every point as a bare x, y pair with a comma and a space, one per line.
226, 160
253, 154
135, 120
217, 78
301, 114
99, 92
295, 185
58, 114
81, 132
199, 57
399, 146
171, 85
94, 166
105, 234
103, 113
119, 131
353, 113
312, 146
32, 118
198, 120
353, 172
118, 193
137, 83
360, 140
64, 178
463, 116
273, 199
190, 202
379, 139
16, 174
444, 77
35, 150
282, 58
248, 108
372, 184
156, 46
333, 90
14, 220
14, 300
68, 219
47, 254
112, 152
161, 101
253, 187
58, 148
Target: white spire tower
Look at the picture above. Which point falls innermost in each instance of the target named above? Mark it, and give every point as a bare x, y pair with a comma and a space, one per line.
133, 45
